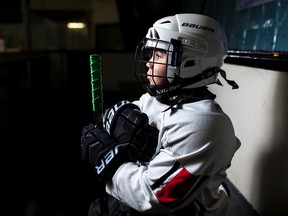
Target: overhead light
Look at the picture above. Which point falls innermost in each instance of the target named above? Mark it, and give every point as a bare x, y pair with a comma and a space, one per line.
76, 25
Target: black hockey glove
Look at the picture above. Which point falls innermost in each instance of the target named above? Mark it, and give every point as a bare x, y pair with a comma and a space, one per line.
125, 122
102, 151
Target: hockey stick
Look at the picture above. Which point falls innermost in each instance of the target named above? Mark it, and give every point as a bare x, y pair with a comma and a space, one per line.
97, 106
96, 88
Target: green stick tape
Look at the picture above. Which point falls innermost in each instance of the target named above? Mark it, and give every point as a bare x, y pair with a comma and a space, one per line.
96, 86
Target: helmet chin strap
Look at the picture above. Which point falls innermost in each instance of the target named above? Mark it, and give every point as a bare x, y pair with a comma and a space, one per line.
205, 75
180, 95
230, 82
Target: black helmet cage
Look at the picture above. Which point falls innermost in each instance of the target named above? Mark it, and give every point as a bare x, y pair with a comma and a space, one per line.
144, 54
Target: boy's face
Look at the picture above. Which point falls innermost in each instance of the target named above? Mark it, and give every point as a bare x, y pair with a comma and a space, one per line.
157, 66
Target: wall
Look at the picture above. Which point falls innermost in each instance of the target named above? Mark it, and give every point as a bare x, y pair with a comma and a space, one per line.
258, 110
117, 69
59, 5
104, 12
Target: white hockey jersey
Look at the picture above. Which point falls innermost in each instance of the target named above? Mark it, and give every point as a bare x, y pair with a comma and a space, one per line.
195, 147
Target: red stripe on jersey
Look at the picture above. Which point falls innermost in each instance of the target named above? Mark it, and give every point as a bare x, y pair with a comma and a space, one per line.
177, 188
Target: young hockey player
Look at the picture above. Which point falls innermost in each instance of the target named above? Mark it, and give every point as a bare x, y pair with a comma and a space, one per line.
167, 153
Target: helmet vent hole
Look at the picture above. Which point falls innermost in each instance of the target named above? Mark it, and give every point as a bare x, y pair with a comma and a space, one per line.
167, 21
156, 35
189, 63
152, 33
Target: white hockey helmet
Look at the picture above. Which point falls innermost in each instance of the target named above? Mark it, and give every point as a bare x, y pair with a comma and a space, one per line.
195, 45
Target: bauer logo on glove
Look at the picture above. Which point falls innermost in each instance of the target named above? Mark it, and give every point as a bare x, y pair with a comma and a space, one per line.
102, 151
109, 158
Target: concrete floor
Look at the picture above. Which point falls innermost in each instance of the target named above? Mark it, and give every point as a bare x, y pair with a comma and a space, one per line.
238, 204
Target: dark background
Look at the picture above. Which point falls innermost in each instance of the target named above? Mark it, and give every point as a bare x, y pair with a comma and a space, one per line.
42, 169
